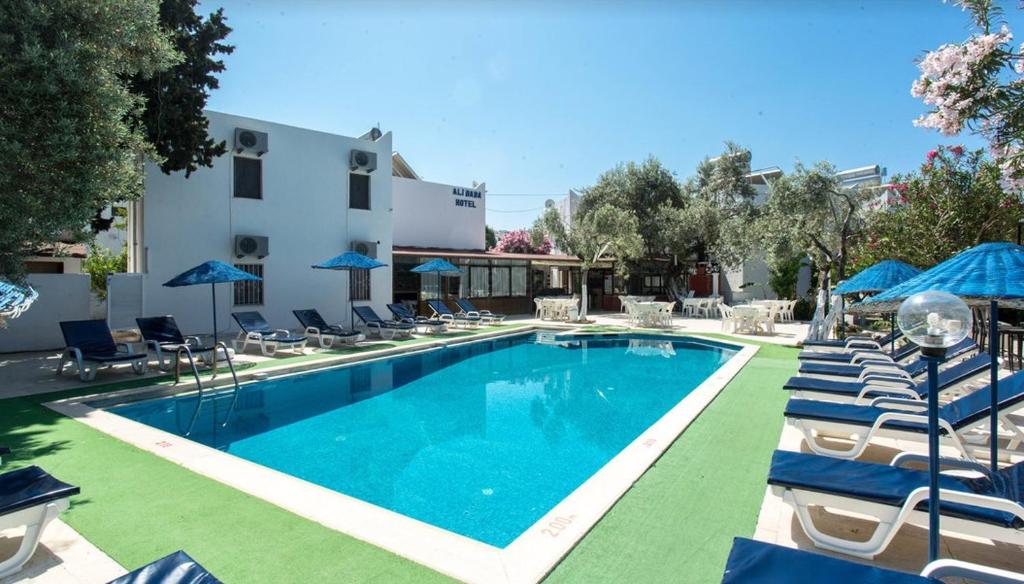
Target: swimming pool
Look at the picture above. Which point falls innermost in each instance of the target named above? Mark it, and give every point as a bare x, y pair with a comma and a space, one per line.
480, 439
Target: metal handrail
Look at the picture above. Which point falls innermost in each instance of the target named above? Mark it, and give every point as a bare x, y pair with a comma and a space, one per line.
199, 384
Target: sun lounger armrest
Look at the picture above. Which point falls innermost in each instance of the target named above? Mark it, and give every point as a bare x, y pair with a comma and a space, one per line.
312, 330
949, 568
904, 458
982, 501
853, 345
193, 341
891, 371
908, 392
282, 332
868, 356
123, 347
471, 313
899, 401
886, 380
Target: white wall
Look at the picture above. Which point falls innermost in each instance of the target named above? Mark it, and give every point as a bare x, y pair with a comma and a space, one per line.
435, 215
304, 211
61, 297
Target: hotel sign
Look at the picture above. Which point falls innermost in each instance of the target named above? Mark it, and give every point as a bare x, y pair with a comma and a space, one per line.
466, 197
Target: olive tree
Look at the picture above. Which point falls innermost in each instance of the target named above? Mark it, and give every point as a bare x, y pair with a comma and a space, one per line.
810, 212
603, 232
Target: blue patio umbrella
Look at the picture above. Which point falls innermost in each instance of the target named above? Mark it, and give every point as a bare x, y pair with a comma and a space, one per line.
879, 277
987, 274
15, 299
212, 272
349, 261
438, 266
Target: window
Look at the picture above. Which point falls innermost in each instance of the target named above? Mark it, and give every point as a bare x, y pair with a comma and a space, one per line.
519, 279
479, 287
501, 279
249, 292
358, 191
248, 177
359, 284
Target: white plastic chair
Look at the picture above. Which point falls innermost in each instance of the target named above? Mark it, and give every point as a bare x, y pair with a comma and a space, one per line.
728, 320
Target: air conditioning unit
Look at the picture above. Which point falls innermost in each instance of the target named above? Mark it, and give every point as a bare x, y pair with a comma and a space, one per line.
252, 245
251, 141
367, 248
362, 160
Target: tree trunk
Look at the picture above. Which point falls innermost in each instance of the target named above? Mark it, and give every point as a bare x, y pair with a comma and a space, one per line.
583, 293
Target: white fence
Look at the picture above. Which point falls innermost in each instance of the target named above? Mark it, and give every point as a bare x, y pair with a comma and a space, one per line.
61, 297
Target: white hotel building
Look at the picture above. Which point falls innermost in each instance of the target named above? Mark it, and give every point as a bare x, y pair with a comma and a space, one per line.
285, 198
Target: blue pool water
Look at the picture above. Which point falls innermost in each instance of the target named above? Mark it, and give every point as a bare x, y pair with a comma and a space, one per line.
481, 439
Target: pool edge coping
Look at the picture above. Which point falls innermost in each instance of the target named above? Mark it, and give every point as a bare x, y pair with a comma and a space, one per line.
528, 559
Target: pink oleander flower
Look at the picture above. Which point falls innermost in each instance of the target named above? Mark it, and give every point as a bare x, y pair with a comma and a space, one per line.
519, 241
932, 154
948, 80
957, 151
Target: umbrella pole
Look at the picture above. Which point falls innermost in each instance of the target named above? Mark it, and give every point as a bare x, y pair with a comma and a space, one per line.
993, 347
933, 455
892, 334
213, 290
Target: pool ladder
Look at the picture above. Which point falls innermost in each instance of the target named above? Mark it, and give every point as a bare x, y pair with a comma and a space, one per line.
184, 349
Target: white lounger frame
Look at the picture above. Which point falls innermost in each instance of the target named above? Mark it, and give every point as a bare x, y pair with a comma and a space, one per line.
454, 320
894, 386
968, 440
268, 346
891, 519
392, 331
34, 520
852, 344
87, 369
327, 340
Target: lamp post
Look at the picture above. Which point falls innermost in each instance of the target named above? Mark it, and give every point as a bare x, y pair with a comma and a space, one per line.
935, 321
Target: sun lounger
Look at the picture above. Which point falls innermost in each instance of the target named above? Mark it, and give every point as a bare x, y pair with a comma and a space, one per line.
862, 341
385, 329
175, 568
30, 498
855, 355
162, 335
442, 312
89, 345
862, 369
756, 562
326, 334
467, 308
256, 331
950, 379
403, 313
980, 505
960, 420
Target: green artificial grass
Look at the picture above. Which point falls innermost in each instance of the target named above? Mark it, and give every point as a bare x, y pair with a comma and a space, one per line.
676, 524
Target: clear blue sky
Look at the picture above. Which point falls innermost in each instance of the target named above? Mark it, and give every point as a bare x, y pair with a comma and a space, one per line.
535, 99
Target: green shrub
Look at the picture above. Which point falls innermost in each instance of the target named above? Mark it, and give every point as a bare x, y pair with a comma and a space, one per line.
100, 263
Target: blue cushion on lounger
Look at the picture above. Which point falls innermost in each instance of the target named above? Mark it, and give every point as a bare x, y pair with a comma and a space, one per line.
253, 322
402, 312
883, 340
914, 368
901, 354
948, 377
176, 568
960, 412
93, 339
310, 317
369, 316
442, 309
755, 562
30, 486
891, 485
